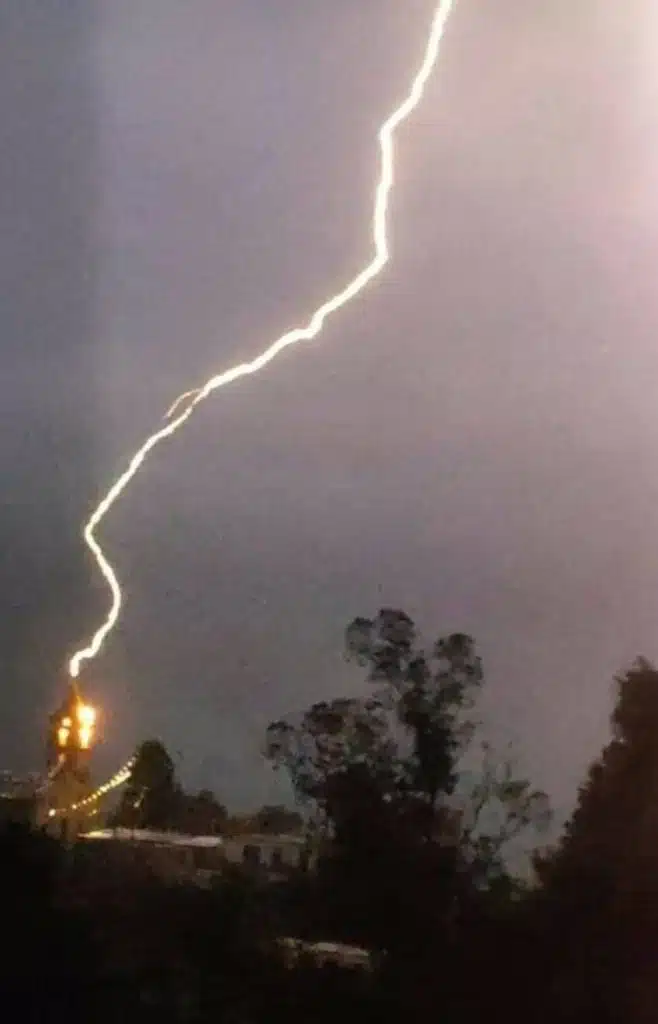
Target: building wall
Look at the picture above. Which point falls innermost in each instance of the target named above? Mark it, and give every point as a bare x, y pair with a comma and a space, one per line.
271, 852
198, 858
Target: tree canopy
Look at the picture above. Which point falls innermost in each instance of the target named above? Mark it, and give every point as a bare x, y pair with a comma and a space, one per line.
400, 835
150, 797
405, 737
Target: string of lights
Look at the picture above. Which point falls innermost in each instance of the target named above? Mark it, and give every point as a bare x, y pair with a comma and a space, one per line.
52, 774
118, 779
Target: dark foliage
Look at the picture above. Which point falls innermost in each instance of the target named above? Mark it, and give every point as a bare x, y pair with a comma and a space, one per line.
452, 935
154, 799
601, 883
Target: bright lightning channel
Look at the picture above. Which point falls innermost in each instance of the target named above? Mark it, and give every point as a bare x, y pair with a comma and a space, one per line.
188, 401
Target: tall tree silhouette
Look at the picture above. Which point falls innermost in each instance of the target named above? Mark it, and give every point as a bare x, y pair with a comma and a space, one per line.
601, 880
405, 847
151, 798
429, 691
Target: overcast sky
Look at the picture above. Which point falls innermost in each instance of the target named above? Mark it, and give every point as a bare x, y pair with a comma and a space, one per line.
474, 440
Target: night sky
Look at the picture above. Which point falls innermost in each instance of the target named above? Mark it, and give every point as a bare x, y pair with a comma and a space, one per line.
474, 440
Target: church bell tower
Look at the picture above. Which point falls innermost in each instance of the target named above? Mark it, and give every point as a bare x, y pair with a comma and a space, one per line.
71, 734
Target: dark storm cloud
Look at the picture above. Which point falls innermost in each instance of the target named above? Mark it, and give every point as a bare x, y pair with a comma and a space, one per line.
473, 440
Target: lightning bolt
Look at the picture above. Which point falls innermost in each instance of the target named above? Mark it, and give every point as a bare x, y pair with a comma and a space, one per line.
186, 403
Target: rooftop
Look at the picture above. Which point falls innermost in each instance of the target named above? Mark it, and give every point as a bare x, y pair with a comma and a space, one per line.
142, 835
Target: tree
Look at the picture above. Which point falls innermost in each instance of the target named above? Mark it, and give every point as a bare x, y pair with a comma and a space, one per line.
326, 740
615, 823
408, 735
429, 691
151, 798
411, 848
600, 880
417, 697
201, 813
433, 694
496, 808
343, 760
